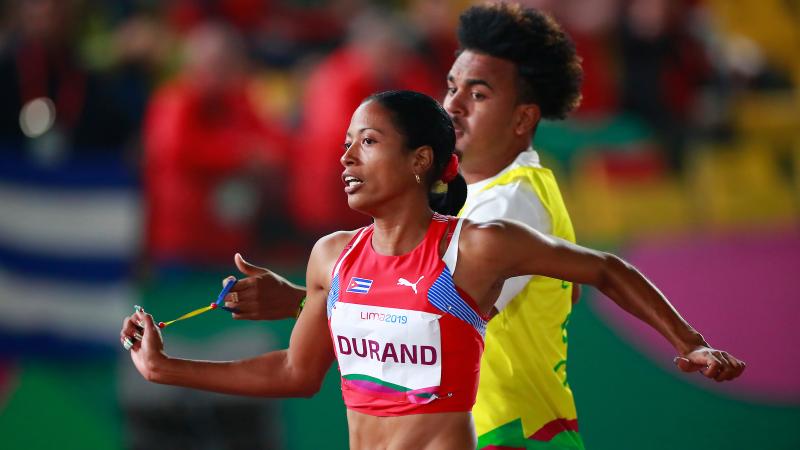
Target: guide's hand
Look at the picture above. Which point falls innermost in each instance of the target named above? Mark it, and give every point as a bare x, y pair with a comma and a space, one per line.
263, 295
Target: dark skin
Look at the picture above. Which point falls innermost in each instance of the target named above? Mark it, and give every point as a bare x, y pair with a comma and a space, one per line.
488, 254
492, 127
263, 294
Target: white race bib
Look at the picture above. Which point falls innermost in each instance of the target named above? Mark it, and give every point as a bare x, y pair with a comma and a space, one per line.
391, 349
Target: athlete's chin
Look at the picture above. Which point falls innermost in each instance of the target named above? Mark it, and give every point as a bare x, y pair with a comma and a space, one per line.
361, 205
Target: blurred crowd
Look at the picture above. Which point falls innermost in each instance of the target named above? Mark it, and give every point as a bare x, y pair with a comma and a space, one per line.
233, 112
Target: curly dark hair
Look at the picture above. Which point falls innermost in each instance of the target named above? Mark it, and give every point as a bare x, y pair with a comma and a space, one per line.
549, 70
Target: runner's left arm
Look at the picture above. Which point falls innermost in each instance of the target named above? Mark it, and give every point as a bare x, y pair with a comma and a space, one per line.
512, 249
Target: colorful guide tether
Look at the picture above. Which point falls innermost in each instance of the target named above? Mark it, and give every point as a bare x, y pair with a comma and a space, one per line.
198, 311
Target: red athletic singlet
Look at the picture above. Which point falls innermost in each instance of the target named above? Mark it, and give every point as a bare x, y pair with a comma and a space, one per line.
407, 340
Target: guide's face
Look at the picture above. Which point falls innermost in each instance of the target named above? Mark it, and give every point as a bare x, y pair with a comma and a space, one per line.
481, 99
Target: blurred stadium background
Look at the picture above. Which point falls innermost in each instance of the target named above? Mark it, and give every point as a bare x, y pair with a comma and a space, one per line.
142, 143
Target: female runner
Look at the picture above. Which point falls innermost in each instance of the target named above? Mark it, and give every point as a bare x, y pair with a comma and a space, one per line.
403, 303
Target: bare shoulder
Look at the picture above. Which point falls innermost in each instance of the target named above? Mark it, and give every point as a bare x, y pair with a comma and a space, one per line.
500, 242
480, 239
488, 234
485, 227
334, 243
324, 255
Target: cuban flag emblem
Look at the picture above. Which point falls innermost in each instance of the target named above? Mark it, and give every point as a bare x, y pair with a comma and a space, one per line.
359, 285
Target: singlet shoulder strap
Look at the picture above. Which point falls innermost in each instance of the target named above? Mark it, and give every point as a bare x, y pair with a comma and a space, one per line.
349, 248
450, 257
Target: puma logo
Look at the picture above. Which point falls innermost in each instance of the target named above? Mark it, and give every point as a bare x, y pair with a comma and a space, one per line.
404, 282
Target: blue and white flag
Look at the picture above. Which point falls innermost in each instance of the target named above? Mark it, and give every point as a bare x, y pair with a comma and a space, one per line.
69, 236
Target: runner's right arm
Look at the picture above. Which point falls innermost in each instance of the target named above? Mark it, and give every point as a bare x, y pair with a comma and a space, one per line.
294, 372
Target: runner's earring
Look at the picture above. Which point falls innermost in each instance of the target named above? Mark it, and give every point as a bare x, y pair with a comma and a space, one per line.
416, 175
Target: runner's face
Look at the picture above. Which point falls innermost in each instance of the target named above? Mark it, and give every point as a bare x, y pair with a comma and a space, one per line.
377, 167
482, 100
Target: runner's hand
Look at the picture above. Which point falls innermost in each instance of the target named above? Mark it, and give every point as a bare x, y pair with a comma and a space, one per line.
147, 351
712, 363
